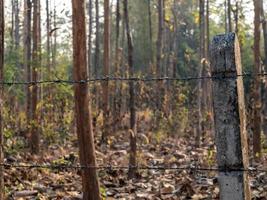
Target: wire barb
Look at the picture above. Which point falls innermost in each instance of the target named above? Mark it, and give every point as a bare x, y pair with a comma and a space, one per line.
135, 79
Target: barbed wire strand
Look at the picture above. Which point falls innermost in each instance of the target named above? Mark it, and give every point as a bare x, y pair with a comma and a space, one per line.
135, 79
111, 167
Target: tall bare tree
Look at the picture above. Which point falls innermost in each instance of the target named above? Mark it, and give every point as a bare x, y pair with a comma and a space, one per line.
97, 39
160, 36
48, 40
27, 53
17, 25
133, 148
36, 57
150, 30
256, 92
90, 34
82, 106
54, 50
201, 69
229, 16
2, 31
106, 69
264, 28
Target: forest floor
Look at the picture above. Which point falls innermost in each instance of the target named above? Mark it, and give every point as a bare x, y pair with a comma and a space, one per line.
153, 151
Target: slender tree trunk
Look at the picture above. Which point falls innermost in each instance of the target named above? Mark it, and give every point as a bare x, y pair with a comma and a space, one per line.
90, 29
106, 70
27, 54
82, 106
48, 41
225, 16
97, 38
264, 27
118, 85
229, 15
236, 17
256, 93
48, 61
133, 148
118, 18
150, 32
160, 35
54, 51
16, 33
201, 69
2, 48
159, 65
17, 21
35, 137
12, 35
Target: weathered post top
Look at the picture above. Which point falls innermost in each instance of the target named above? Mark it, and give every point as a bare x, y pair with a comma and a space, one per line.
225, 54
230, 118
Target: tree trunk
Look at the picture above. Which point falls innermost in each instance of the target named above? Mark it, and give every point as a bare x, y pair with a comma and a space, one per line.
54, 51
201, 69
264, 27
27, 54
2, 48
90, 29
12, 25
236, 17
229, 16
150, 32
82, 106
16, 30
133, 148
117, 96
106, 70
160, 35
97, 38
35, 137
48, 43
256, 92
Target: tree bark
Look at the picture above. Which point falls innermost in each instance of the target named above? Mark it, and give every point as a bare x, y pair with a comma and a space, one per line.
264, 28
236, 17
17, 21
133, 147
54, 51
160, 35
229, 15
90, 29
256, 92
150, 32
97, 38
48, 41
82, 105
27, 53
2, 48
35, 137
201, 69
106, 70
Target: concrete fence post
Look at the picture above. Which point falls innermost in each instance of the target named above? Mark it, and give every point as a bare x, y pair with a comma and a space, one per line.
230, 118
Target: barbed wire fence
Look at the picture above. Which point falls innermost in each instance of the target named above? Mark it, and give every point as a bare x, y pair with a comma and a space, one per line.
134, 79
8, 165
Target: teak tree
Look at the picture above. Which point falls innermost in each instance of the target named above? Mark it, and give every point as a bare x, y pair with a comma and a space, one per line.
264, 29
133, 147
106, 70
90, 30
256, 90
27, 53
82, 105
2, 25
36, 61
